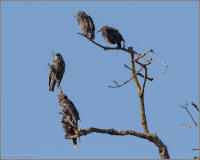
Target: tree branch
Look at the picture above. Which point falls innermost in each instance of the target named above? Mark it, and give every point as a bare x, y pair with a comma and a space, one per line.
127, 81
138, 73
151, 137
141, 96
186, 108
144, 82
114, 48
195, 106
120, 85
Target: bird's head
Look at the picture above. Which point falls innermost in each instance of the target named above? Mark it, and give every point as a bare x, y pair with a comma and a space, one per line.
102, 29
62, 96
80, 13
58, 56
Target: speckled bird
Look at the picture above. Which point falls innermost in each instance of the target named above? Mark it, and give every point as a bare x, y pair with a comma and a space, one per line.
112, 36
86, 24
70, 116
57, 70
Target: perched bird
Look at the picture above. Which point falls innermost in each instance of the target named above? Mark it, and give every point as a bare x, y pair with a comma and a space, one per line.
86, 24
112, 36
70, 116
57, 70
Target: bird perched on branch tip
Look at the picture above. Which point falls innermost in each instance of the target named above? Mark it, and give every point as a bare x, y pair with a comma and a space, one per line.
70, 116
86, 24
112, 36
57, 69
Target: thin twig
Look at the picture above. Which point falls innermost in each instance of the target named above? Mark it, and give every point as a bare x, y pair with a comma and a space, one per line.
144, 81
195, 106
186, 108
120, 85
188, 126
161, 61
138, 73
144, 54
53, 53
195, 149
127, 81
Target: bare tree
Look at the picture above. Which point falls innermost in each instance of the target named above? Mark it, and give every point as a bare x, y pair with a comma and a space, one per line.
152, 137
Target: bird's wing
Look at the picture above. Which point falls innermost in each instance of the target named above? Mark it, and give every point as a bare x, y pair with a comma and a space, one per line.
75, 111
91, 23
50, 75
69, 109
84, 19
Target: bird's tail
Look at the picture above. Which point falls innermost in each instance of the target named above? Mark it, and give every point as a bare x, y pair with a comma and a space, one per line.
51, 88
74, 142
92, 35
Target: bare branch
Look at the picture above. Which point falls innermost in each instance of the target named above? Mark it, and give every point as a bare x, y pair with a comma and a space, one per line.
115, 48
53, 53
188, 126
127, 81
161, 61
133, 70
120, 85
195, 149
141, 97
195, 106
151, 137
186, 108
144, 81
138, 72
144, 54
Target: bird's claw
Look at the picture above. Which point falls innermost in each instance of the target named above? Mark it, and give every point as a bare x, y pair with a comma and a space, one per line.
106, 47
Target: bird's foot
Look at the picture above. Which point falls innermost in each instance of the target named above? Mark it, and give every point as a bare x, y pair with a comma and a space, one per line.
76, 131
106, 47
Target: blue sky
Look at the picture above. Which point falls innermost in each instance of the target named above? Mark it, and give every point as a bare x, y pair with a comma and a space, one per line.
30, 120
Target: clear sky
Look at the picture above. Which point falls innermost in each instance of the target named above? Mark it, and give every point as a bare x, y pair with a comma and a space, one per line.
30, 120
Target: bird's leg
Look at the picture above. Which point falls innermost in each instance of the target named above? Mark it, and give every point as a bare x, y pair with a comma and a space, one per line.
76, 131
58, 84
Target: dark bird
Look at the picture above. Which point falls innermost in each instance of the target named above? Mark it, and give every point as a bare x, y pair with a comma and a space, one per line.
70, 116
112, 36
57, 70
86, 24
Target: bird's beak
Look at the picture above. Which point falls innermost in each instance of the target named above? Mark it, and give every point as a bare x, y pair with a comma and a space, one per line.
98, 31
75, 15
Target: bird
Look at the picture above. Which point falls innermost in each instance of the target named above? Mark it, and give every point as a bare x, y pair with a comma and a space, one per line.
70, 116
112, 36
86, 24
57, 69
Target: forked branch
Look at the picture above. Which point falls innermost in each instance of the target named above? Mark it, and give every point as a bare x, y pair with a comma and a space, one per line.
146, 135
